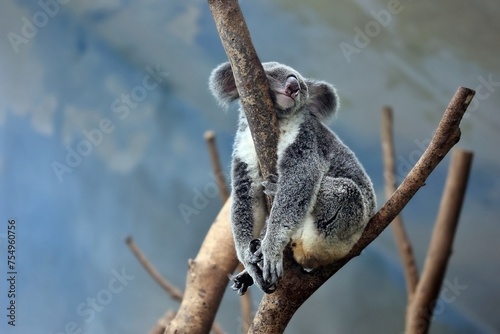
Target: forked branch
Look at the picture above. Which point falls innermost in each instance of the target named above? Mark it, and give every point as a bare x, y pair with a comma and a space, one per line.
276, 310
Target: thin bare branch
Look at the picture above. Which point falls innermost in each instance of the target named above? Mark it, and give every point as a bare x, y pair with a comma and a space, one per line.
402, 241
216, 166
246, 308
217, 329
440, 249
174, 292
160, 325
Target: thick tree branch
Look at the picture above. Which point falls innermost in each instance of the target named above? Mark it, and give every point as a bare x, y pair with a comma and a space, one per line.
422, 306
276, 310
402, 241
207, 278
251, 82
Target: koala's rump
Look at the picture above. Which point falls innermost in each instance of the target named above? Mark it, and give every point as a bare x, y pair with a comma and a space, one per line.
312, 249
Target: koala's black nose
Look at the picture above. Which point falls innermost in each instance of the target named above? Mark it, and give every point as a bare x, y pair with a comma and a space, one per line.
292, 87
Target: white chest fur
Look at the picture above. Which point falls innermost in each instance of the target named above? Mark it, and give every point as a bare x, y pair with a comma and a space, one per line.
245, 149
289, 129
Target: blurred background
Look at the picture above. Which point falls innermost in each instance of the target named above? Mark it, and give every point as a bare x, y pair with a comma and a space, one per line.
103, 106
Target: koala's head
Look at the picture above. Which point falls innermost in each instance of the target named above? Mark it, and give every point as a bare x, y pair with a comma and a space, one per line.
289, 90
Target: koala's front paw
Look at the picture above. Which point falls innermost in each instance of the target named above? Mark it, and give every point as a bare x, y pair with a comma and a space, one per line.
253, 272
272, 269
270, 185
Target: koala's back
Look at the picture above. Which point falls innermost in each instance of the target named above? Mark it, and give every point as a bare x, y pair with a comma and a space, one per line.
310, 133
334, 158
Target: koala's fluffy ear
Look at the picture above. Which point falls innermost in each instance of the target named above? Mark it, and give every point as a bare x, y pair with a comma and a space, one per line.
222, 84
323, 100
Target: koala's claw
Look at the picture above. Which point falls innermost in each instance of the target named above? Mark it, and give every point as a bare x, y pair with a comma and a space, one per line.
270, 185
269, 288
272, 271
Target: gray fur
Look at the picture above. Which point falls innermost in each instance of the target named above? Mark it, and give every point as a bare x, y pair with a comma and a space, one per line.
323, 197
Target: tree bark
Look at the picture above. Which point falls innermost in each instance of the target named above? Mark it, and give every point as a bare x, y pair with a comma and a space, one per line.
422, 306
216, 166
402, 241
207, 279
251, 81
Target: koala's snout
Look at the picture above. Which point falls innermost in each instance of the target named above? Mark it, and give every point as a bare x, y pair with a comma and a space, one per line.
292, 87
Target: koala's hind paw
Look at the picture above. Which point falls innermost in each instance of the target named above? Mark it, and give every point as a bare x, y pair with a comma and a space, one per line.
270, 185
241, 282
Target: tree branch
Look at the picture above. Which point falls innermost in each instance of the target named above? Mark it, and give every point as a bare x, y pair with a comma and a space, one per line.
276, 310
402, 241
422, 306
216, 167
173, 291
251, 82
207, 278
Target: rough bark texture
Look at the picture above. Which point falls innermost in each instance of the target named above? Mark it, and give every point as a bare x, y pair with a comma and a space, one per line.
422, 306
251, 81
276, 310
402, 241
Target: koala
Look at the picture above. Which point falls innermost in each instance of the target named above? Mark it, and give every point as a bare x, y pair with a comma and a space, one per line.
323, 197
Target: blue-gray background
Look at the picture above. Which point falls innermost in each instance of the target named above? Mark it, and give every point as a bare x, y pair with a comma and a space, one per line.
63, 78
